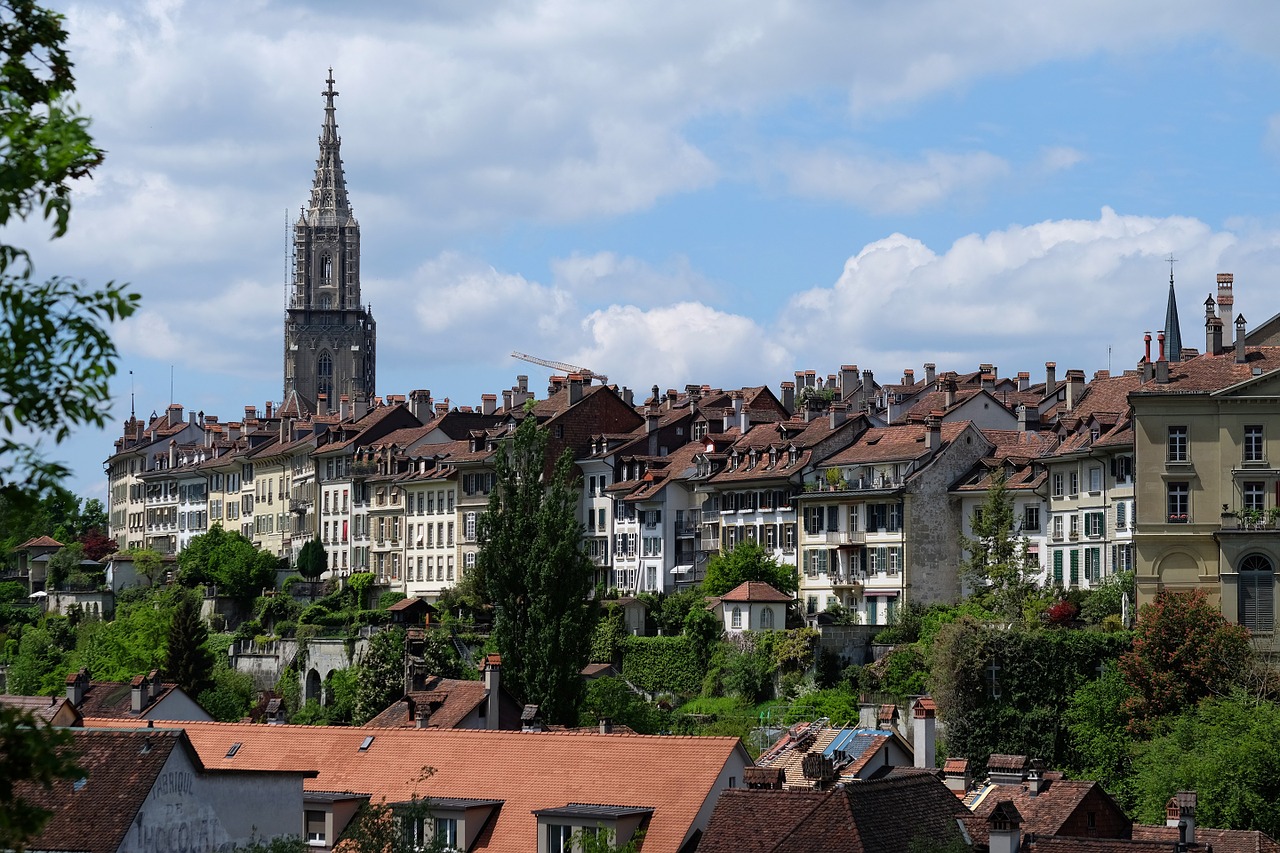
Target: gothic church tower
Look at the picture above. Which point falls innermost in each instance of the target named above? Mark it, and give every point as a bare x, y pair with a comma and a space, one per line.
329, 337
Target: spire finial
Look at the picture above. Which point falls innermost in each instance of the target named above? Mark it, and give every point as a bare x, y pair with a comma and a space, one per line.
1172, 327
1171, 259
329, 204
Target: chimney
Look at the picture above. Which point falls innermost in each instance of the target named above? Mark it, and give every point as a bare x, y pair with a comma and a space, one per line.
1226, 300
908, 377
1024, 380
77, 683
575, 388
930, 372
270, 408
653, 396
492, 684
1160, 341
925, 713
868, 385
1004, 828
673, 397
138, 694
838, 413
628, 396
933, 431
956, 776
522, 383
554, 385
1180, 813
988, 374
789, 397
173, 453
322, 404
1240, 326
743, 416
1050, 377
344, 407
1075, 388
175, 414
1035, 777
360, 408
488, 404
1212, 328
157, 684
948, 393
1024, 419
1162, 372
606, 726
848, 379
652, 417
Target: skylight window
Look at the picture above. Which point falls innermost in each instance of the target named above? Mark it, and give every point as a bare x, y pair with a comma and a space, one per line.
366, 743
235, 747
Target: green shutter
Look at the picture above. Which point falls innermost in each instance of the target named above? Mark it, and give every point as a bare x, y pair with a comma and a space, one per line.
1057, 567
1075, 568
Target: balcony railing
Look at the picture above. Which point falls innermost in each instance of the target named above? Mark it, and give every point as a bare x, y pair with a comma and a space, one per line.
836, 537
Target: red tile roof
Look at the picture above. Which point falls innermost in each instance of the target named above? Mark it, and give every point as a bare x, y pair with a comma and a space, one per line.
674, 776
755, 591
1223, 840
1207, 373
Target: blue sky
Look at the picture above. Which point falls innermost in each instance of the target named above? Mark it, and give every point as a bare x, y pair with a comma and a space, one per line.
669, 193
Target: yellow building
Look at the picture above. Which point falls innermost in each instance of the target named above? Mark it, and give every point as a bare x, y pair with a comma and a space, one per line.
1207, 458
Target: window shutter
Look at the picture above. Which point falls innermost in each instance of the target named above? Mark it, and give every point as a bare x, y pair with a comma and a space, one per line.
1057, 566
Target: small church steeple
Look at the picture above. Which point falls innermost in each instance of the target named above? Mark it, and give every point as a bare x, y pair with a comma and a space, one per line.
1172, 331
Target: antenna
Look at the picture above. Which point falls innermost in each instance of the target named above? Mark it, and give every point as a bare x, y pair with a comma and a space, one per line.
133, 414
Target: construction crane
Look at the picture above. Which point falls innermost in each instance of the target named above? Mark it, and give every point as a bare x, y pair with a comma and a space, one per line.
560, 365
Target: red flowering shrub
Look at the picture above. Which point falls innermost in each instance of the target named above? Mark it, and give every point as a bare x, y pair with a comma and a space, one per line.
1183, 650
1061, 614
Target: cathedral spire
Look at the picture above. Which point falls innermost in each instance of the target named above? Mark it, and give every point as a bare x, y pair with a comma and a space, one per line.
329, 204
1172, 331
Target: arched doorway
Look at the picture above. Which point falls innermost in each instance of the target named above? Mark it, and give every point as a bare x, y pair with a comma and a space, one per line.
312, 691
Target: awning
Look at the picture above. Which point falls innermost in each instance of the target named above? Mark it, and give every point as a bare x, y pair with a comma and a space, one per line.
880, 593
681, 570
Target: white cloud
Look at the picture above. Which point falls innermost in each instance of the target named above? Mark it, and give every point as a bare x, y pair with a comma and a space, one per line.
892, 186
606, 277
1062, 290
1059, 158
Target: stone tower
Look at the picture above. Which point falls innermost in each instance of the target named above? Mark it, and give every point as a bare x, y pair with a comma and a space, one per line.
329, 336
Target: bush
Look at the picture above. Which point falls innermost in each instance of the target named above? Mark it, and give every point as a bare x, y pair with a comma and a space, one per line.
661, 663
749, 675
606, 640
389, 598
248, 629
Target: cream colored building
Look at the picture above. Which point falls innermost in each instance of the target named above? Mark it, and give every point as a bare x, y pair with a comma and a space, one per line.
1207, 459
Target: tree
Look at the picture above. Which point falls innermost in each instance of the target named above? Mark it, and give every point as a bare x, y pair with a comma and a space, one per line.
997, 556
34, 757
381, 678
312, 561
1226, 750
533, 568
1101, 746
147, 562
229, 560
97, 545
63, 564
747, 562
1183, 651
58, 358
187, 661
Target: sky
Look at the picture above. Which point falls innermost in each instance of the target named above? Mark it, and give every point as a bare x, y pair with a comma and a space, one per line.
669, 193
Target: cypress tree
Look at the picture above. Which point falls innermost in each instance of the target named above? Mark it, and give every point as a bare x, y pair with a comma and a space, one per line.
533, 569
188, 662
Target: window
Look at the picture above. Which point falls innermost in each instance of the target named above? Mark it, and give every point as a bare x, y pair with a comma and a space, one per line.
1122, 515
1122, 468
735, 618
1094, 522
1057, 527
1074, 531
1095, 479
1093, 564
766, 618
1074, 482
315, 826
1179, 501
324, 376
1253, 444
1256, 595
1121, 558
469, 527
1254, 496
1057, 485
1031, 518
1177, 447
559, 838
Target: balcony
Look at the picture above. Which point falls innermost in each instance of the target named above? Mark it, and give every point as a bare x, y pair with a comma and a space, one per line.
847, 580
687, 528
836, 537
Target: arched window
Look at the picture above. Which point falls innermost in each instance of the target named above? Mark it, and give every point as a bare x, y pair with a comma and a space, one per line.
326, 269
736, 618
324, 376
1256, 604
766, 618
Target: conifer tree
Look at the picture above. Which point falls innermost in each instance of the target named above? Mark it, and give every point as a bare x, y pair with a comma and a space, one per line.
998, 556
533, 569
189, 662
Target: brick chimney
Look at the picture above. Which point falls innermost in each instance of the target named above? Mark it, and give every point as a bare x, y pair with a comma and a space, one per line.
838, 414
908, 377
1024, 380
1075, 388
575, 387
1162, 366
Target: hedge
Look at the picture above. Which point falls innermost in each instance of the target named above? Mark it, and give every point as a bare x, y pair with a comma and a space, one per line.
657, 664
